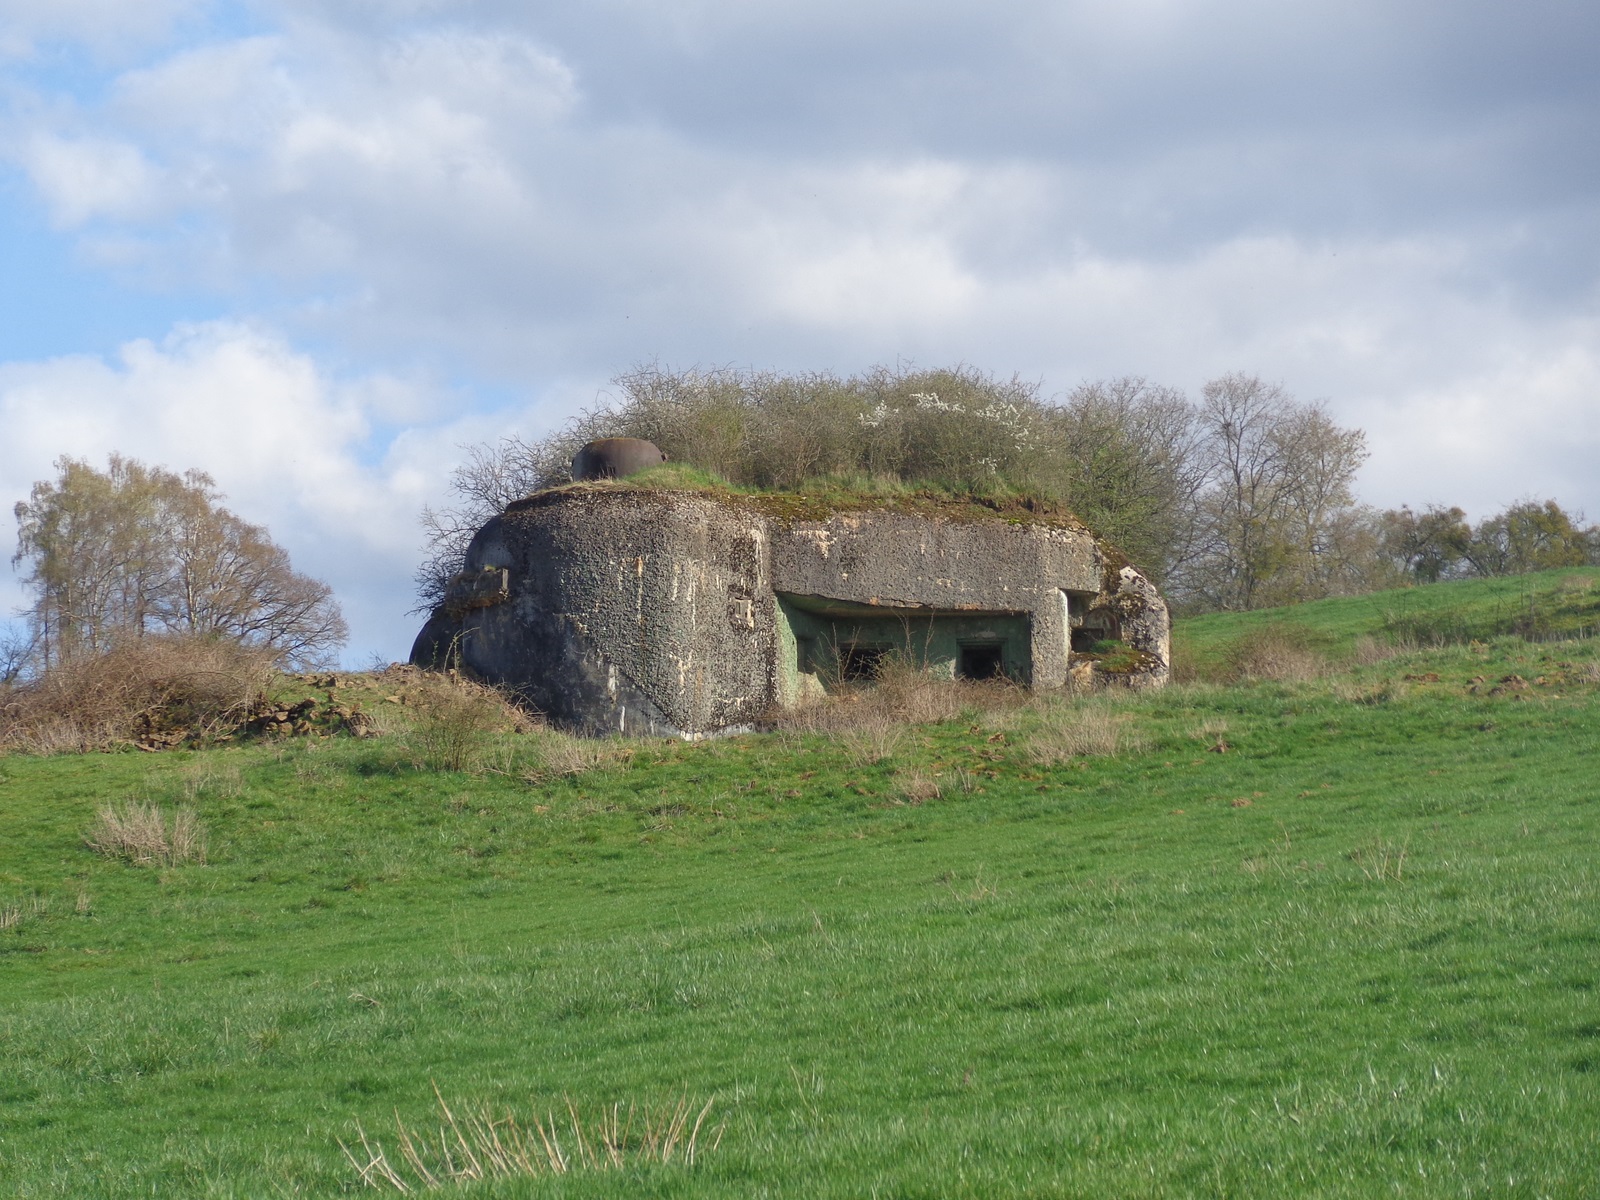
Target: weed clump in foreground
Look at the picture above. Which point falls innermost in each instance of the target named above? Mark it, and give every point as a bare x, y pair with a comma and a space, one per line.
142, 834
454, 721
479, 1145
151, 692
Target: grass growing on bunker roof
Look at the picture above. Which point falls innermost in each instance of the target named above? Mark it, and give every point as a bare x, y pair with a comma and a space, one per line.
818, 499
1331, 935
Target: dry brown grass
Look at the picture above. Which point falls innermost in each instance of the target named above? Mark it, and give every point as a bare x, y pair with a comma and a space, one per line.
871, 721
1212, 733
1381, 861
1281, 651
1084, 729
1381, 691
1369, 651
556, 754
478, 1145
151, 691
918, 787
1186, 667
878, 736
14, 914
143, 835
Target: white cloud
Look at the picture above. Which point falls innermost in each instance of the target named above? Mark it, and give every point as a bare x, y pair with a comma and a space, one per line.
82, 178
293, 447
104, 25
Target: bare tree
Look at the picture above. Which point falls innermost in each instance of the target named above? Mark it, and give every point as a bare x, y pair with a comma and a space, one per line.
136, 550
16, 654
1274, 517
491, 477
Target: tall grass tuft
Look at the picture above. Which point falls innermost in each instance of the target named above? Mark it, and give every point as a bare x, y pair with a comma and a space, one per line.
478, 1145
454, 721
869, 720
1083, 730
143, 835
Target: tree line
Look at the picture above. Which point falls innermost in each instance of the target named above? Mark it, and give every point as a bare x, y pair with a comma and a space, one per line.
1241, 499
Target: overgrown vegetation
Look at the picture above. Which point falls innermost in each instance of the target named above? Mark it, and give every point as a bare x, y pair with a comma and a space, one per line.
1187, 491
151, 692
1319, 931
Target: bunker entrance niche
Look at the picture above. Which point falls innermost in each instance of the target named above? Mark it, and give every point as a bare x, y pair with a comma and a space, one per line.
826, 643
1088, 628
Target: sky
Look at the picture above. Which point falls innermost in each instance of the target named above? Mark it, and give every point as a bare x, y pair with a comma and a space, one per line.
317, 247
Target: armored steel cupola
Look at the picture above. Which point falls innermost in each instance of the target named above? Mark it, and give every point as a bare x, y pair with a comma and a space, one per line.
615, 458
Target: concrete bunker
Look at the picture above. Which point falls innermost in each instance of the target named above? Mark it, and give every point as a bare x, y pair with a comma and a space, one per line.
616, 608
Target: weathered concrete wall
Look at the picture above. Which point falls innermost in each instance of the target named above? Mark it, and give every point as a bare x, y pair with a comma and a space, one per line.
1143, 622
616, 609
630, 611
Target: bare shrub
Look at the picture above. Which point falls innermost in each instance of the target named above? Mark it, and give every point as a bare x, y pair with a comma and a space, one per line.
1083, 730
151, 691
1281, 651
143, 835
454, 720
479, 1145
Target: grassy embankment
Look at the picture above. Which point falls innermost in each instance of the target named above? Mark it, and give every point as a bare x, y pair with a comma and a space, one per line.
1336, 937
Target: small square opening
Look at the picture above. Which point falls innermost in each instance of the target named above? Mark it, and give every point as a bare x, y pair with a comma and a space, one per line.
980, 660
859, 662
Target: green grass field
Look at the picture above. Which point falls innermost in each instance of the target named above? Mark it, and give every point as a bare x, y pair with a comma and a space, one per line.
1331, 938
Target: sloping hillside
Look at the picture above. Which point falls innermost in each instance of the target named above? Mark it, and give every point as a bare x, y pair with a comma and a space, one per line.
1330, 935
